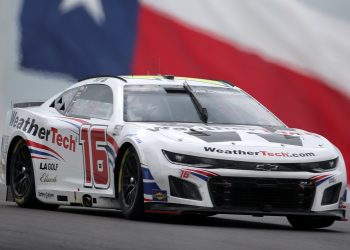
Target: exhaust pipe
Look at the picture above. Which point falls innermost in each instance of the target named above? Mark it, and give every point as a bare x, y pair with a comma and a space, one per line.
87, 200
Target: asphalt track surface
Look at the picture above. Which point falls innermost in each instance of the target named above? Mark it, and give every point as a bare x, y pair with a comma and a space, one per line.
78, 228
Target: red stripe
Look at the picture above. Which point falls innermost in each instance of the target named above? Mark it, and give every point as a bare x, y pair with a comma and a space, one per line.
41, 146
145, 199
319, 177
168, 47
111, 140
40, 158
205, 173
77, 120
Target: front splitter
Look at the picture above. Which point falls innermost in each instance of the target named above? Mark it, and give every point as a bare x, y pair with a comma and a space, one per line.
170, 208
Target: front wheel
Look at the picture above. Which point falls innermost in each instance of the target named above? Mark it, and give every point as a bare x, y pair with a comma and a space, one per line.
131, 185
308, 223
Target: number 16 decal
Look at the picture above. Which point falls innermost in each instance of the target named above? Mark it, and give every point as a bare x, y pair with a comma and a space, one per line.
94, 142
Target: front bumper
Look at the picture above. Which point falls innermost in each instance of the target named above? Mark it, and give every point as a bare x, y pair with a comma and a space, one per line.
314, 186
285, 203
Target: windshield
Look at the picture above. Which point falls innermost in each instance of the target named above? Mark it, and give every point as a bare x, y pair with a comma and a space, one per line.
151, 103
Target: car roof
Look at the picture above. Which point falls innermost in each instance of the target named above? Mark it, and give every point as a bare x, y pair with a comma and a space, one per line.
174, 80
144, 80
155, 80
165, 80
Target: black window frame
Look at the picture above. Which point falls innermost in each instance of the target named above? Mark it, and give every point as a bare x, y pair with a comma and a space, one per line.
54, 104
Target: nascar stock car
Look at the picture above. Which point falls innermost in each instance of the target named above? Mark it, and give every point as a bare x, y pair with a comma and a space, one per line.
174, 145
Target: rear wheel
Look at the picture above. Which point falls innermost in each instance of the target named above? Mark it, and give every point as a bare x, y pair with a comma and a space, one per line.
22, 179
131, 185
22, 176
307, 223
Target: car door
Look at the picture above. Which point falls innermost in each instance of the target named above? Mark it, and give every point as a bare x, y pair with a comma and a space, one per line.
91, 167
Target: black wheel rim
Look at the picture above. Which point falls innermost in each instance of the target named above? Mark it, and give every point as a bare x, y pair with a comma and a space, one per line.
22, 170
130, 180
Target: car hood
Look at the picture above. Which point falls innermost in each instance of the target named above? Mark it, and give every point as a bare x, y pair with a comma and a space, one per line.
246, 142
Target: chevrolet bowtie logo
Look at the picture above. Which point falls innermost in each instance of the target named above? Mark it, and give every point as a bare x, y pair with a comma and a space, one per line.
267, 167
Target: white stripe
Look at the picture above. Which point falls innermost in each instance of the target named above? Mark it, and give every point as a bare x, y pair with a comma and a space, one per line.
110, 158
286, 32
42, 156
148, 181
147, 196
111, 146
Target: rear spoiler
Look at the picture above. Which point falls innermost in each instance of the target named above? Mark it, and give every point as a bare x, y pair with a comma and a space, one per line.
26, 104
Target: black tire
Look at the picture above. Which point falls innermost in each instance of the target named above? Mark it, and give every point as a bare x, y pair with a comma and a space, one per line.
22, 181
309, 223
131, 185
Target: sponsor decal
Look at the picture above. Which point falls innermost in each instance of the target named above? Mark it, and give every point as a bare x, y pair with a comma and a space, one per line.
118, 129
48, 166
285, 131
267, 167
52, 134
151, 190
185, 173
137, 139
46, 178
258, 153
46, 195
159, 195
200, 173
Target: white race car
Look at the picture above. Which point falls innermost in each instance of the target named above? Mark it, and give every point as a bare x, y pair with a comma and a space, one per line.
165, 144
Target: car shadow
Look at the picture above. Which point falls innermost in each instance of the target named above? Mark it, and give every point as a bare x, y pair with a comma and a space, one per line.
218, 221
188, 220
184, 220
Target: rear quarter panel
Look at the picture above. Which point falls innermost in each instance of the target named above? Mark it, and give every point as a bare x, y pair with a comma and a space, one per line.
51, 145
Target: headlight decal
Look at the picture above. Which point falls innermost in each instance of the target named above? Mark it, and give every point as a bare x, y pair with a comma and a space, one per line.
183, 159
319, 179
